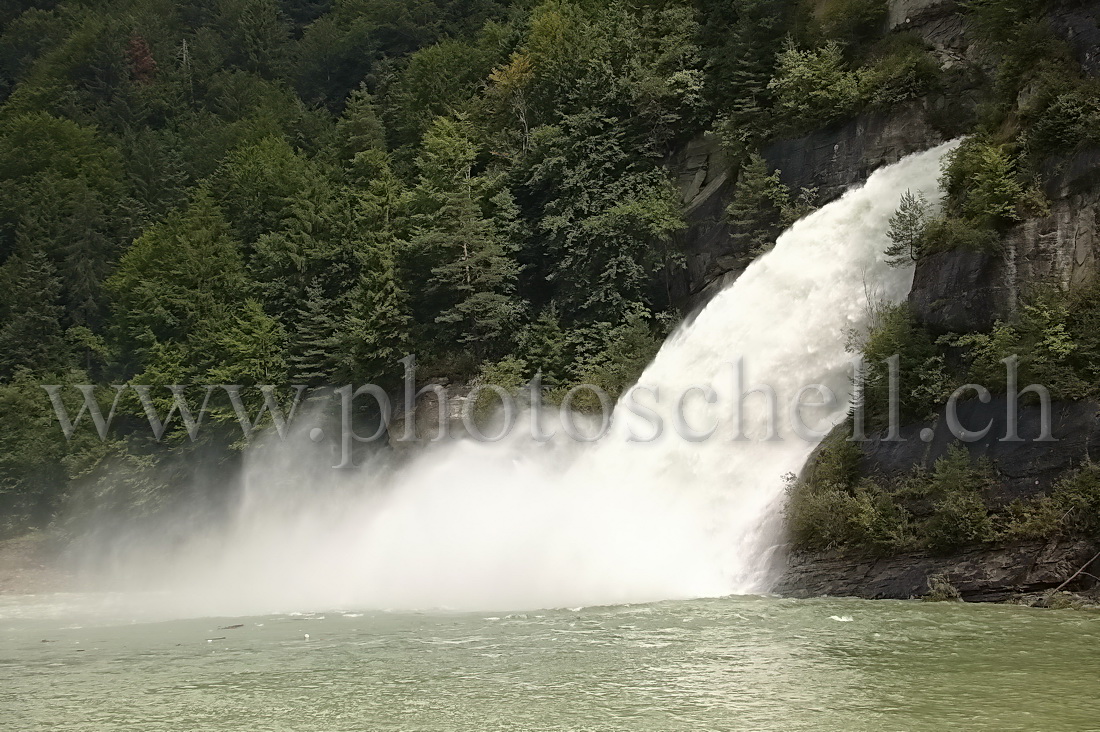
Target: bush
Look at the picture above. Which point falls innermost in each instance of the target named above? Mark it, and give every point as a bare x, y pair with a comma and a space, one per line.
1054, 338
1071, 509
923, 379
814, 86
959, 520
823, 516
1067, 121
830, 507
983, 186
509, 373
959, 515
905, 72
853, 21
948, 233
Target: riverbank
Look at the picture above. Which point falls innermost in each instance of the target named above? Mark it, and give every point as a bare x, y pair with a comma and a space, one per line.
31, 565
1009, 573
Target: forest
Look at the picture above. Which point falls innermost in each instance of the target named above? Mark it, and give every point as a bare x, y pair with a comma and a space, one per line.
303, 192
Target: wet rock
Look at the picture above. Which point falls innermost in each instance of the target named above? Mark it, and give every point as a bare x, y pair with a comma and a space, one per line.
833, 159
1024, 469
982, 574
959, 291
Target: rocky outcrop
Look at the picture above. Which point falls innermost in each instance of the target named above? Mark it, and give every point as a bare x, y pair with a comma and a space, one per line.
1079, 24
834, 159
960, 291
980, 575
830, 160
705, 180
963, 290
1024, 468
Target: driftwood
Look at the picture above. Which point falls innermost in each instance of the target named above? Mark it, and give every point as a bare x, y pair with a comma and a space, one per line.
1076, 574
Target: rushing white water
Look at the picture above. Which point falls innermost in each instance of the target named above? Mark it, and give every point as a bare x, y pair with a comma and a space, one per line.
519, 525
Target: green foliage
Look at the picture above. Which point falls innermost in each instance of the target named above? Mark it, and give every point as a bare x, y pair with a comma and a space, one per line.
473, 280
756, 212
629, 348
31, 336
947, 233
1071, 509
740, 38
904, 70
177, 287
1053, 338
1065, 121
603, 232
255, 190
832, 507
922, 379
983, 185
814, 85
959, 516
907, 229
853, 21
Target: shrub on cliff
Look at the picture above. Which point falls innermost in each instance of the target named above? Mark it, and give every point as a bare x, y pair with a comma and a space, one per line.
814, 85
922, 376
959, 516
830, 507
983, 184
1071, 509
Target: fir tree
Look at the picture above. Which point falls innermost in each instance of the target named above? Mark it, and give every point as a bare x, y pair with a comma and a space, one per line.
314, 356
30, 315
755, 214
374, 334
360, 128
473, 275
907, 227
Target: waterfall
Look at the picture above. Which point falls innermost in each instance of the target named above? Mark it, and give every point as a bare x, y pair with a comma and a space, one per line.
522, 525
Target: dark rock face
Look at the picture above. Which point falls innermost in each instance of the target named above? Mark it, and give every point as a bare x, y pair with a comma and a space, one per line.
831, 160
980, 575
1079, 24
959, 291
835, 158
704, 178
1024, 468
964, 290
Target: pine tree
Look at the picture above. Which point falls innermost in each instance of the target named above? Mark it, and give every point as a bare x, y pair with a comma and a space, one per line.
314, 355
251, 349
30, 315
360, 128
472, 286
179, 283
907, 227
374, 334
755, 214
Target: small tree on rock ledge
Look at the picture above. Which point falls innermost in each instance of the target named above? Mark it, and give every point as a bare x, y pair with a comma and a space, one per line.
907, 227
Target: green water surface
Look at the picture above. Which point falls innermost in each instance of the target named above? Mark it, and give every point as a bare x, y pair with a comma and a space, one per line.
726, 664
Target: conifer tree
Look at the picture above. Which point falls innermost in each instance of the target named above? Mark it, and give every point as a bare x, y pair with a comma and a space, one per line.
30, 315
360, 128
472, 287
907, 227
179, 283
374, 335
314, 355
755, 214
